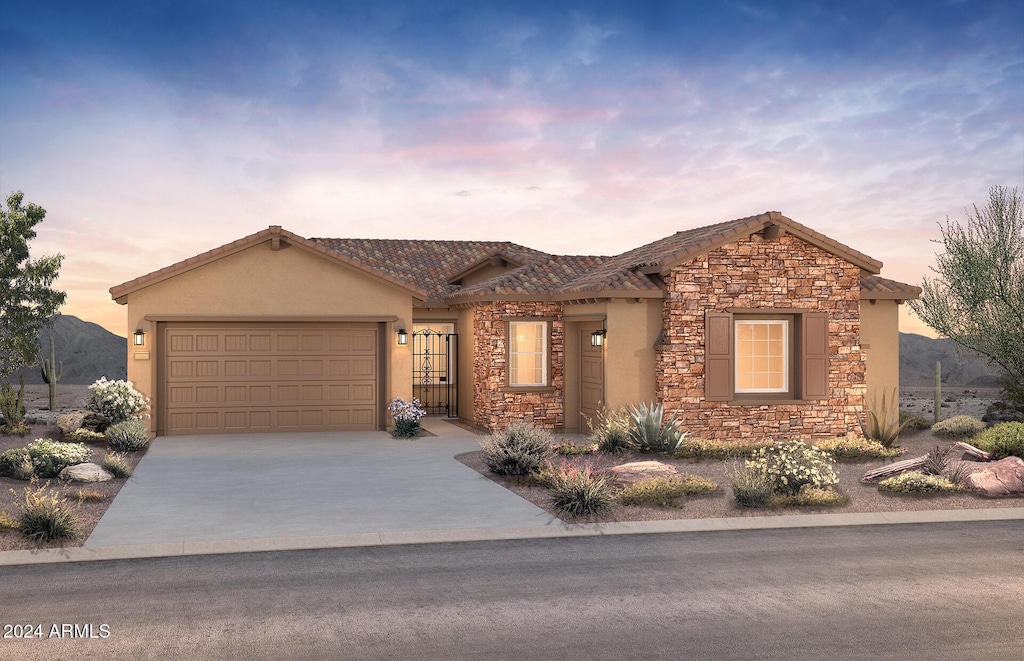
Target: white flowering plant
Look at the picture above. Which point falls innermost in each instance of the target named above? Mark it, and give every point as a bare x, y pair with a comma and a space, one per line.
117, 400
407, 417
792, 465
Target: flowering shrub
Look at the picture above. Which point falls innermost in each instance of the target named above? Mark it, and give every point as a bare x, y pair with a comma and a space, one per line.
580, 489
407, 417
117, 400
856, 447
791, 466
51, 457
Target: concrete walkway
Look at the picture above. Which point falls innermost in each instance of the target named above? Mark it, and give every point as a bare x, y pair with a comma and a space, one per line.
194, 495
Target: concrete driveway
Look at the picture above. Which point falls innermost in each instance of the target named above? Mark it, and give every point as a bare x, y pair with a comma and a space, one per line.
255, 486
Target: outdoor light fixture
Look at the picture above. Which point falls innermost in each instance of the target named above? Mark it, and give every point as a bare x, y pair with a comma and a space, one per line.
403, 337
139, 337
597, 338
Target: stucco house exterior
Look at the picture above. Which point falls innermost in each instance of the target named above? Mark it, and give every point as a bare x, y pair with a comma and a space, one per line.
749, 328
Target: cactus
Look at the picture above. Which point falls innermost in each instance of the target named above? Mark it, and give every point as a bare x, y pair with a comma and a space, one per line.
52, 371
938, 391
12, 405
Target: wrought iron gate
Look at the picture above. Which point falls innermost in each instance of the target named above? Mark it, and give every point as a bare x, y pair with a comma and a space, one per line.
435, 362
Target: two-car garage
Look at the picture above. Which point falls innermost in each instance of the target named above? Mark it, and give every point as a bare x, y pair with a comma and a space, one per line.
251, 377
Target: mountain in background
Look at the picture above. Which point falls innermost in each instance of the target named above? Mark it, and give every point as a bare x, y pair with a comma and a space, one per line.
87, 350
960, 367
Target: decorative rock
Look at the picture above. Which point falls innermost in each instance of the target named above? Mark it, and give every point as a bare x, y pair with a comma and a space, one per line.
96, 422
636, 471
70, 421
85, 473
1002, 478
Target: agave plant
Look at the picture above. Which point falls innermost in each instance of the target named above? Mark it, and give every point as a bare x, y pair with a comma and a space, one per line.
650, 432
882, 422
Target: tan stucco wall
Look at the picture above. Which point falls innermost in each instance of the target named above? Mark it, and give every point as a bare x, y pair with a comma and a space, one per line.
630, 358
259, 282
880, 340
466, 352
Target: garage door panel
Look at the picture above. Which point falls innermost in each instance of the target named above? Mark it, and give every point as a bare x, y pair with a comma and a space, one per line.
268, 379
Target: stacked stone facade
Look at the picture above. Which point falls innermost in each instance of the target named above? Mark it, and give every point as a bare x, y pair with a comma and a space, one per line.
761, 273
495, 404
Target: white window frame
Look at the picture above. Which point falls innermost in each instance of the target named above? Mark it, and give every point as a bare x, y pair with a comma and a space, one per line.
543, 353
786, 364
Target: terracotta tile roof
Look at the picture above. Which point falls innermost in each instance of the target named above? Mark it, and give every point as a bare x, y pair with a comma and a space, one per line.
427, 269
877, 287
428, 265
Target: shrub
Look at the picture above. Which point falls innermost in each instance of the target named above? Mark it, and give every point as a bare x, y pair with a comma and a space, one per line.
117, 400
12, 408
407, 417
569, 449
128, 436
793, 465
700, 448
751, 486
17, 463
49, 457
650, 432
911, 421
856, 447
580, 490
881, 422
1003, 440
45, 515
83, 435
116, 463
959, 426
610, 431
813, 497
519, 449
913, 482
664, 490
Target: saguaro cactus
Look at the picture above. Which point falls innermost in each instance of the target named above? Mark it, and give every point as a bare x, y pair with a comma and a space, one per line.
52, 371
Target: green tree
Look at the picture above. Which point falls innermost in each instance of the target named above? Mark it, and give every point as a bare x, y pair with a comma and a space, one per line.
29, 302
977, 300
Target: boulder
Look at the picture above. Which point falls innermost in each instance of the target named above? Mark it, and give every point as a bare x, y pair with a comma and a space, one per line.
96, 422
628, 474
70, 421
85, 473
1001, 478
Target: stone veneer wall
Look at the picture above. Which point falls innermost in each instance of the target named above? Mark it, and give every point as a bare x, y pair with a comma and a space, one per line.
494, 409
759, 273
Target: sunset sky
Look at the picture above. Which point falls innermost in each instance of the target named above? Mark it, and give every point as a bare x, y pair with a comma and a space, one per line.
152, 131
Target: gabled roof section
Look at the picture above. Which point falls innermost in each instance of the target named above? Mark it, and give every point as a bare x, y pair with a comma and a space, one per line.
273, 234
429, 265
876, 287
498, 258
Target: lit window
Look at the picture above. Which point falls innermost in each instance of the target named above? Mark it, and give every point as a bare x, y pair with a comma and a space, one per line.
762, 355
527, 353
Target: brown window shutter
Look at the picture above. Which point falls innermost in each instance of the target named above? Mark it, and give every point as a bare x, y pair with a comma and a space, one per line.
718, 356
814, 355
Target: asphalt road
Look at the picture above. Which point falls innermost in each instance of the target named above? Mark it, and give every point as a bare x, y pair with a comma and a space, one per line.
927, 591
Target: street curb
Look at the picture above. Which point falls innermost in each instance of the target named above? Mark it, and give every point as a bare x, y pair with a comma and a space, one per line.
264, 545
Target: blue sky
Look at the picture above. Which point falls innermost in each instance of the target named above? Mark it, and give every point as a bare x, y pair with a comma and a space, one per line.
152, 131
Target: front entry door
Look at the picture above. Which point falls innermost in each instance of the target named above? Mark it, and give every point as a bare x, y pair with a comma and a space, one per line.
591, 376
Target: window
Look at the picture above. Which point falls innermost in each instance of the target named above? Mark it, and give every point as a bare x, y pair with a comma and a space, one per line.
528, 353
767, 355
762, 355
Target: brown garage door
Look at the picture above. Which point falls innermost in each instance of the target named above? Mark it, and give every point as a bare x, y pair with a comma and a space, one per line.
224, 378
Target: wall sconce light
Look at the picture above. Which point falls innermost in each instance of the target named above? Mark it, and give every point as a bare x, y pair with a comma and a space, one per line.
597, 338
139, 337
403, 337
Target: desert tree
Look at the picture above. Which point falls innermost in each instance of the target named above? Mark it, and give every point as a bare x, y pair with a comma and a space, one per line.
977, 296
27, 297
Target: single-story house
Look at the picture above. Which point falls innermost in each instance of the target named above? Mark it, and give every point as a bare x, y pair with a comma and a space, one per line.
754, 327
